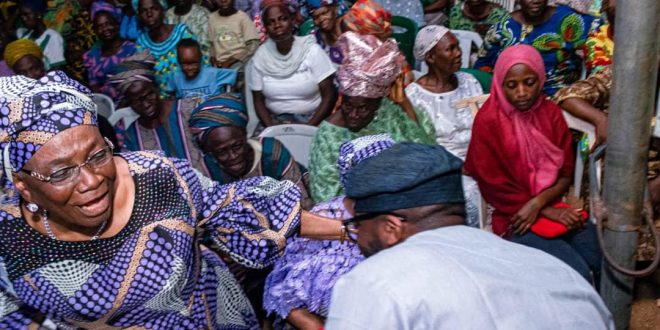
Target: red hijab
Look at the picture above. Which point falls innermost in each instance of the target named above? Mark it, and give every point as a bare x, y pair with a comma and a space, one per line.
515, 155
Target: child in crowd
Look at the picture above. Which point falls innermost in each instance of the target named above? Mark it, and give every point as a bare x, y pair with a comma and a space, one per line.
195, 79
233, 36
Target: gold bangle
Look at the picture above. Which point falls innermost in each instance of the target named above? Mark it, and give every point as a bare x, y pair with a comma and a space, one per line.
344, 234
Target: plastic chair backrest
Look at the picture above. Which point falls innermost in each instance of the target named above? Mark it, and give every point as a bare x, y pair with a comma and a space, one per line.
306, 27
297, 138
656, 129
253, 120
104, 105
509, 5
127, 115
406, 39
485, 79
465, 41
578, 124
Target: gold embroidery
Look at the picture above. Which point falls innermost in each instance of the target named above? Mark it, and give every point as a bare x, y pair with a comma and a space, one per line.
270, 234
134, 167
87, 118
34, 137
15, 110
12, 209
29, 281
207, 312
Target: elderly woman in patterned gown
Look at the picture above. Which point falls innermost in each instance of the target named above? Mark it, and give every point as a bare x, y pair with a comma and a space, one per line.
93, 240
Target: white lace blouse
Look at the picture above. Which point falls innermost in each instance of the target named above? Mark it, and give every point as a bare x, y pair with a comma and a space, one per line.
453, 126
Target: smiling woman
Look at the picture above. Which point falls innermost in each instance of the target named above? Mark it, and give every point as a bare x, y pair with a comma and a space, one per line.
108, 52
95, 241
218, 126
149, 123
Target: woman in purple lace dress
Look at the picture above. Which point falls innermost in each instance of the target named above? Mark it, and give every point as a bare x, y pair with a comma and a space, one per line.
300, 285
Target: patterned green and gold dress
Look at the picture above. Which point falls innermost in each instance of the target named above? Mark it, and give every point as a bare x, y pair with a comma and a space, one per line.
557, 39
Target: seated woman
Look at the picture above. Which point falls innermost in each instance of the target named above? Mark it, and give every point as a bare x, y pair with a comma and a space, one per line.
298, 289
368, 17
25, 58
150, 123
559, 33
599, 48
79, 39
218, 126
436, 94
327, 22
475, 15
587, 99
49, 40
365, 77
108, 52
113, 239
291, 78
522, 158
160, 39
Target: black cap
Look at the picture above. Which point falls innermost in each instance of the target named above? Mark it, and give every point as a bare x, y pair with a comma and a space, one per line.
405, 176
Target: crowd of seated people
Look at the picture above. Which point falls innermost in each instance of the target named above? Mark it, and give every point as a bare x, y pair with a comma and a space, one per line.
217, 226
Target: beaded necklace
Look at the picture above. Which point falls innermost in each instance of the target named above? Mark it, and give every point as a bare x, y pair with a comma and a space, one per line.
52, 235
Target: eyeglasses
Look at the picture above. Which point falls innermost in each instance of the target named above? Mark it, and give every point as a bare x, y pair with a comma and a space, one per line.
69, 174
352, 225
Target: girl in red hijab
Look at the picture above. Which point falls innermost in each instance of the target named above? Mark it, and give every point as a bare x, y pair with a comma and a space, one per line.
522, 158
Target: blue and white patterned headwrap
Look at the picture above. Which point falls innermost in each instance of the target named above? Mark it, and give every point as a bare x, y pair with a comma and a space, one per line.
33, 111
356, 151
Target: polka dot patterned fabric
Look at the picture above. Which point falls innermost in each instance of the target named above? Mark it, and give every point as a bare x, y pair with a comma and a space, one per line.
154, 273
33, 111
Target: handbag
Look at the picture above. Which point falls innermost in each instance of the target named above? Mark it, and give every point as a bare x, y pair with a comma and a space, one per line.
548, 228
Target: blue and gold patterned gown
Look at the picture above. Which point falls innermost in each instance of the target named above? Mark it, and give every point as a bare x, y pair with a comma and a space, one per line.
153, 274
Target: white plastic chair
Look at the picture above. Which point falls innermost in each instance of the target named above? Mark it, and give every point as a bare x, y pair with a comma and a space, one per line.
104, 105
295, 137
578, 124
474, 103
253, 119
127, 115
509, 5
465, 41
656, 129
